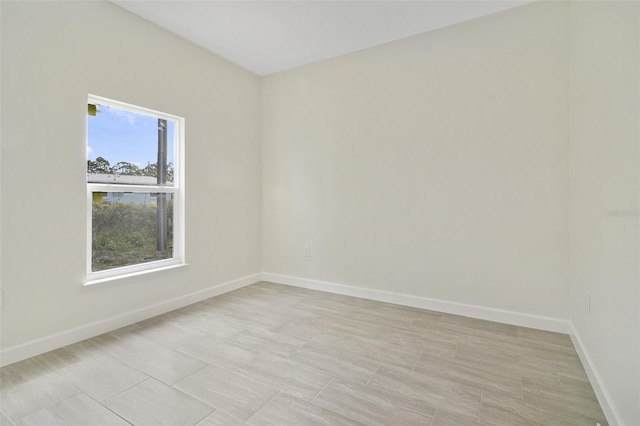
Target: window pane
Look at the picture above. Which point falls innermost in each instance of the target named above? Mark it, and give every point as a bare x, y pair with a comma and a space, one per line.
123, 147
131, 228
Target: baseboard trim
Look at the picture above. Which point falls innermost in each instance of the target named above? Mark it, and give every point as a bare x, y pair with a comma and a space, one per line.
67, 337
604, 397
558, 325
38, 346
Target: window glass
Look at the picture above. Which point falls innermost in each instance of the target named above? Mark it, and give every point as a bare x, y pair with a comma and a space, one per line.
125, 228
123, 148
134, 194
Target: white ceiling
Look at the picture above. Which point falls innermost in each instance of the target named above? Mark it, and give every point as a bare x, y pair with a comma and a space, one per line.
270, 36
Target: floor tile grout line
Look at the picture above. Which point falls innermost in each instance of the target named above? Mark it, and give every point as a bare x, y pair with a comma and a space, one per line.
217, 365
213, 410
264, 294
239, 371
417, 360
42, 364
323, 388
374, 373
8, 417
328, 409
340, 414
50, 405
18, 420
323, 372
107, 408
157, 378
433, 418
129, 387
227, 414
206, 364
263, 405
81, 392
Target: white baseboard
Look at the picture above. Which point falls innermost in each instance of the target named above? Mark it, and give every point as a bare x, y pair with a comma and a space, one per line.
508, 317
67, 337
54, 341
604, 397
557, 325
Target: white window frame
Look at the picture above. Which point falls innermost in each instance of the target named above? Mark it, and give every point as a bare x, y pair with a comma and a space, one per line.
176, 189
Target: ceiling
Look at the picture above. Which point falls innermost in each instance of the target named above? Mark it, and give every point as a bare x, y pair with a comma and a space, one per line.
270, 36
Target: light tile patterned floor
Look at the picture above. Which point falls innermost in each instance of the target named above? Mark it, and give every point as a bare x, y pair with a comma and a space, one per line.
270, 354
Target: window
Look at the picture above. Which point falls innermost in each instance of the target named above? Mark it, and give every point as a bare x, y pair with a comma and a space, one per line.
135, 190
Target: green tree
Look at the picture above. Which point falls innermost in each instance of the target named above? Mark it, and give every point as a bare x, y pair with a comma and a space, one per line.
125, 168
101, 166
126, 234
150, 170
170, 172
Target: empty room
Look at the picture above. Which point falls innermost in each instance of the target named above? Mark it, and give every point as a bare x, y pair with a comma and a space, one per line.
320, 212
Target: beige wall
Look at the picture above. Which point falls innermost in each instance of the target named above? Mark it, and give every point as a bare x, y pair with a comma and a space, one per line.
473, 164
434, 166
53, 55
605, 109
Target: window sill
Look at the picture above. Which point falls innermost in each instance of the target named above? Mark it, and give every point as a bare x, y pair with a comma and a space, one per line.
133, 274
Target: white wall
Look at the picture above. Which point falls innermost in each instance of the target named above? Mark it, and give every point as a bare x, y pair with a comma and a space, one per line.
473, 164
53, 55
434, 166
605, 109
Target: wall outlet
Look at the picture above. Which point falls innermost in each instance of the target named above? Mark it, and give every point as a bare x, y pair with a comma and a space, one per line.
307, 251
588, 301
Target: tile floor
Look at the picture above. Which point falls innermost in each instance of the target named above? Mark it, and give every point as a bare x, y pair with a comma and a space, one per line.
269, 354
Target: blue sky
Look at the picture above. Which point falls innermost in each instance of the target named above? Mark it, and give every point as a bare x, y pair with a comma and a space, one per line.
118, 135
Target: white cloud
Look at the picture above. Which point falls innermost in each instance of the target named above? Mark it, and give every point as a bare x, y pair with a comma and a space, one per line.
124, 115
89, 151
